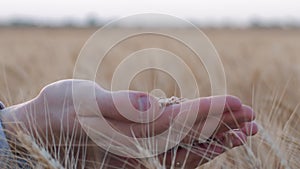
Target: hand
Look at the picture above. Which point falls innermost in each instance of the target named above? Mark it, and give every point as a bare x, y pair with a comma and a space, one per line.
52, 119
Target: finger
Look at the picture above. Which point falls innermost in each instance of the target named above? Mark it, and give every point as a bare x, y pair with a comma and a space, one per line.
236, 119
218, 103
250, 128
121, 104
199, 107
200, 153
194, 111
229, 120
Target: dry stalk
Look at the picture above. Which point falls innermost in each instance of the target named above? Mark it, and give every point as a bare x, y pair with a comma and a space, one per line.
44, 159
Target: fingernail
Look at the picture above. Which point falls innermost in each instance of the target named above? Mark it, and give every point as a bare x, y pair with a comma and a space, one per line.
143, 103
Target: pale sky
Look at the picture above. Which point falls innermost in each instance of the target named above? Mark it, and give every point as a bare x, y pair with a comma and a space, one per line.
216, 10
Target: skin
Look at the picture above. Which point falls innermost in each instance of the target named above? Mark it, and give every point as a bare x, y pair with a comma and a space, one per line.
54, 105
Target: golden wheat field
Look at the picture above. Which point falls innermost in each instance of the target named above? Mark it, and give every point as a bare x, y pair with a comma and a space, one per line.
262, 67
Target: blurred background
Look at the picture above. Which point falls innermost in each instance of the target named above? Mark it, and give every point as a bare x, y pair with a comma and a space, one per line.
232, 13
258, 42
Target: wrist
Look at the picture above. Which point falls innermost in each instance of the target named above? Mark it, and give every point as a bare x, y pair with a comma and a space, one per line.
10, 149
15, 119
